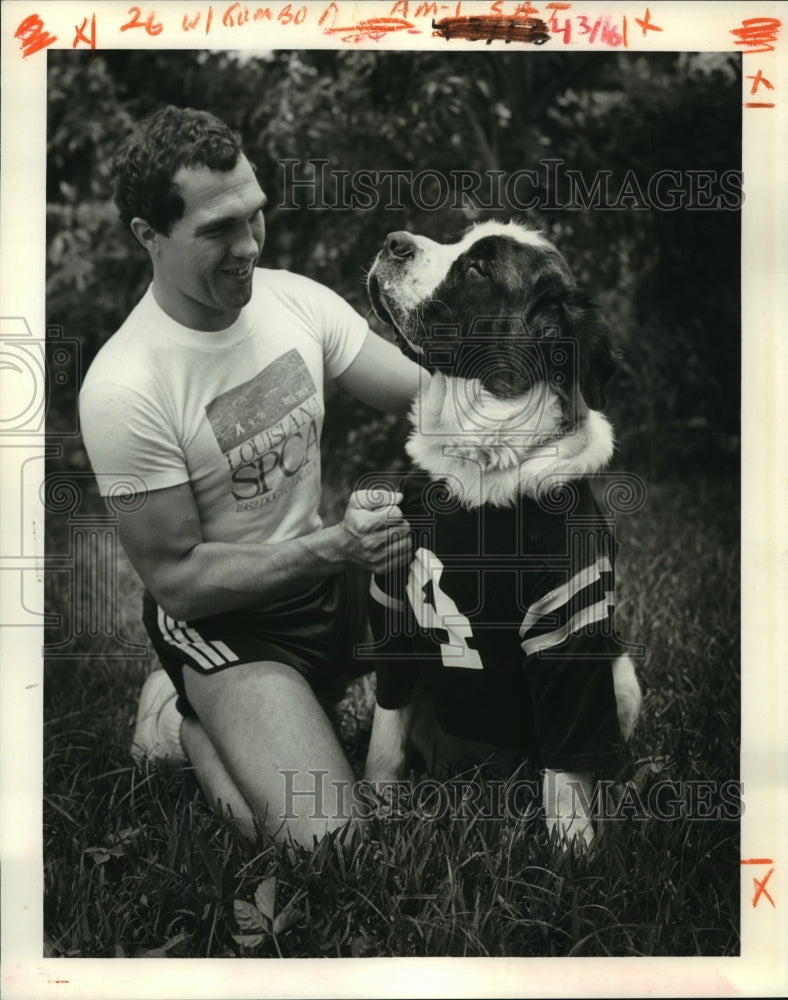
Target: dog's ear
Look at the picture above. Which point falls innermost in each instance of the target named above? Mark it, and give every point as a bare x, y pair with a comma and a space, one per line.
596, 362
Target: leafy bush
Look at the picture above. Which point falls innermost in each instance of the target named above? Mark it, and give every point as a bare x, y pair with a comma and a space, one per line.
669, 280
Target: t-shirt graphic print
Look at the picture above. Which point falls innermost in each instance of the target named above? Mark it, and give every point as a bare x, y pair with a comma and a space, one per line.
268, 431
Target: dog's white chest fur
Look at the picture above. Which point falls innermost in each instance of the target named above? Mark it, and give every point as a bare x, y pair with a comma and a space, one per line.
491, 450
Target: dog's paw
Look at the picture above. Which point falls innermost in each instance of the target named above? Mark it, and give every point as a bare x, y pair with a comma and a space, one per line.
628, 695
567, 801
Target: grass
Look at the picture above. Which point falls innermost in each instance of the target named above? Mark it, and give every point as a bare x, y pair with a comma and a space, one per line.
137, 865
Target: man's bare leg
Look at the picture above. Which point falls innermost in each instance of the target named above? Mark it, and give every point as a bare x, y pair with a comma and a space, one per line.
217, 786
267, 744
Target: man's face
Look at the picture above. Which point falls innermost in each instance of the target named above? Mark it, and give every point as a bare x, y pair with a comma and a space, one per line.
203, 270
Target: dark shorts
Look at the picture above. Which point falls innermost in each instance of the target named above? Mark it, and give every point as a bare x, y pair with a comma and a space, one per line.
314, 632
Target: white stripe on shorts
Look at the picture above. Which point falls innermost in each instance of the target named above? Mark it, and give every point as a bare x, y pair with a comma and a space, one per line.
186, 639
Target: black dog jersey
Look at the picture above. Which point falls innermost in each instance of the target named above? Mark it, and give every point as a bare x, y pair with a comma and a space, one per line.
506, 615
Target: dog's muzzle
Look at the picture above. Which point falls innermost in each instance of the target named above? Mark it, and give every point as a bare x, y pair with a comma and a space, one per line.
393, 283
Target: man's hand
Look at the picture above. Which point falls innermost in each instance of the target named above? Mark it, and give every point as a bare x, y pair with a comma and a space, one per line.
377, 534
191, 578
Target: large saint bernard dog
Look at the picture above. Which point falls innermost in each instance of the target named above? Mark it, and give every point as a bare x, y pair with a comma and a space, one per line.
499, 637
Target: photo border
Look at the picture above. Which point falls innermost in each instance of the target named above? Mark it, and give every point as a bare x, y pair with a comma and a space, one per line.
690, 26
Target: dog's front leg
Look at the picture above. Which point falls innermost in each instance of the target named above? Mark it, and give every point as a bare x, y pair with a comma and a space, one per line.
388, 744
386, 758
566, 797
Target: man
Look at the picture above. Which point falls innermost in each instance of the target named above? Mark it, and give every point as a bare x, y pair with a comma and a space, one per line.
210, 396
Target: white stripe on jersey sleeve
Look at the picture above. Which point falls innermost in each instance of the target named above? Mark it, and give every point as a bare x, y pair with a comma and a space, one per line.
586, 616
562, 595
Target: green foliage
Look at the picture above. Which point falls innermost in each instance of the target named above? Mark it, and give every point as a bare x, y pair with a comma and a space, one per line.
669, 280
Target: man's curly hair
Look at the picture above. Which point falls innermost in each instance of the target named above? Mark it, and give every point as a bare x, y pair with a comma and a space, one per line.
144, 167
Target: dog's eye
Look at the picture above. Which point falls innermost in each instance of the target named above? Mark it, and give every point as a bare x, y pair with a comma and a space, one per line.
477, 269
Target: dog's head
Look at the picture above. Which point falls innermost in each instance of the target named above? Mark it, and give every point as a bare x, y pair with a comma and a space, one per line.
500, 306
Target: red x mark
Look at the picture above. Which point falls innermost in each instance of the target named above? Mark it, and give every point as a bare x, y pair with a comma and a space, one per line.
761, 890
646, 24
759, 79
760, 883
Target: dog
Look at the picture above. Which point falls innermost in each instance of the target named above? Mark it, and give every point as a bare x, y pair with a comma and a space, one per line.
499, 638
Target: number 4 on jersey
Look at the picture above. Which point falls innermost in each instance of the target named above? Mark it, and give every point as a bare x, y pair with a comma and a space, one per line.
437, 612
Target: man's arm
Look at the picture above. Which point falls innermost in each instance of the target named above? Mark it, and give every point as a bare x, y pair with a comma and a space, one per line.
382, 376
192, 578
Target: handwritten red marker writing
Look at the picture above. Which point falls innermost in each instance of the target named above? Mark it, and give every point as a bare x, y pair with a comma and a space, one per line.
189, 24
80, 36
758, 34
236, 15
373, 28
602, 30
759, 884
759, 80
150, 24
645, 23
32, 35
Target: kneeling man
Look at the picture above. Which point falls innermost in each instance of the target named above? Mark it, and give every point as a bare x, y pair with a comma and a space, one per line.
209, 399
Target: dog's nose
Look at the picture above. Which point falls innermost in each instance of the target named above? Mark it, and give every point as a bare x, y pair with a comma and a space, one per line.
400, 245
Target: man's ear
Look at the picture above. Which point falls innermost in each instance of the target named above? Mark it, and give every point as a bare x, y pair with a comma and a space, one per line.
145, 235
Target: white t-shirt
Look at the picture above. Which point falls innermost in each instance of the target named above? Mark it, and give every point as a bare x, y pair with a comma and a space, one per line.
237, 413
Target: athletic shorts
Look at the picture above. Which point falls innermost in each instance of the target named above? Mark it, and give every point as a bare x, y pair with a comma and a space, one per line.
314, 631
